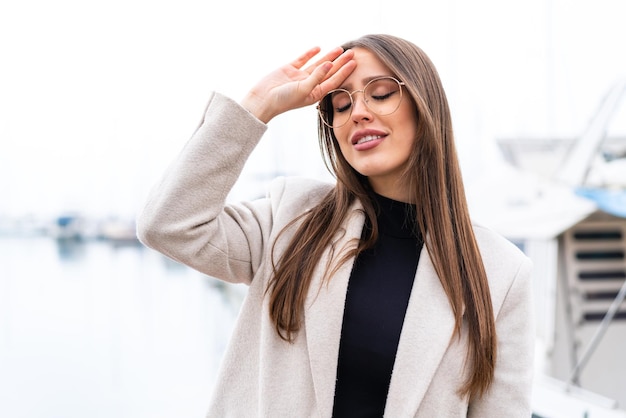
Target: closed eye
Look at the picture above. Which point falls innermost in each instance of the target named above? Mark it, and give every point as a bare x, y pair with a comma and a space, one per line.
342, 109
382, 97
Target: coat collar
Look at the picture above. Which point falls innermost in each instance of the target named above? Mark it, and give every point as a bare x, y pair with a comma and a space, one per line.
426, 333
324, 314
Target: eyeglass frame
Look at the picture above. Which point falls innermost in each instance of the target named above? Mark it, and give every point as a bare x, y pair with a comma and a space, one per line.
352, 101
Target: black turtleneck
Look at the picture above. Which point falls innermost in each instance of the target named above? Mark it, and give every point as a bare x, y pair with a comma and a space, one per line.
376, 302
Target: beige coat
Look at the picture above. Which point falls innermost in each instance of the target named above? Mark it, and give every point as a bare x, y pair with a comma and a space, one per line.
263, 376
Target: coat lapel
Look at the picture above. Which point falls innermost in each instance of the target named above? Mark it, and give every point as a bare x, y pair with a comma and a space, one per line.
426, 335
324, 316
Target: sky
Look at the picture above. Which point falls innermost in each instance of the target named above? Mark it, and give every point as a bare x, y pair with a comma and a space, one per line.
96, 98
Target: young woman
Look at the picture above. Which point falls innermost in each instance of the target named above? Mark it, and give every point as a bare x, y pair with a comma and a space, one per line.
373, 295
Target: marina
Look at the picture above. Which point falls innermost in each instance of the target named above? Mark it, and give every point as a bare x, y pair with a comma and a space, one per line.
564, 204
93, 324
95, 329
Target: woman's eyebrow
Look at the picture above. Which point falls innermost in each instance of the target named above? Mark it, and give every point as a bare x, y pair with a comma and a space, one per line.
364, 81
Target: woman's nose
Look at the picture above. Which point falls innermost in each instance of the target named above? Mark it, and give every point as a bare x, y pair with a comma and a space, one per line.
359, 108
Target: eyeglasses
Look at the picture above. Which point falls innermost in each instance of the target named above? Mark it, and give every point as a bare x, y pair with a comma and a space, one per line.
381, 95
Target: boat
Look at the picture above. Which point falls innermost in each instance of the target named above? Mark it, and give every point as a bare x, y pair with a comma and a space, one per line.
563, 202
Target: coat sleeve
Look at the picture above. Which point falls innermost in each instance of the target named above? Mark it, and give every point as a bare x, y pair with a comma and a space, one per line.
510, 393
186, 217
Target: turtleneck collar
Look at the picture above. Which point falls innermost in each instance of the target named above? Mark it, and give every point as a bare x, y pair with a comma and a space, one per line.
395, 218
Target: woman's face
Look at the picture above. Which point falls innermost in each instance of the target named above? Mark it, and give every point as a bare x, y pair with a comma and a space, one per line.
377, 147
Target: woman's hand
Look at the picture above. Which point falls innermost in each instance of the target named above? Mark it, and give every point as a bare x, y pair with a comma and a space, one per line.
292, 86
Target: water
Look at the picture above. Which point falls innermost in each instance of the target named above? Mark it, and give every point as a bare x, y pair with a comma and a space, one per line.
96, 330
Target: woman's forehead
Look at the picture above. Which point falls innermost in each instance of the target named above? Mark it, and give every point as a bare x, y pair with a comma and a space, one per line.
368, 67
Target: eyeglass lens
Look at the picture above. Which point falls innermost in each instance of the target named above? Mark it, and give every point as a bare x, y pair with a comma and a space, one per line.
382, 96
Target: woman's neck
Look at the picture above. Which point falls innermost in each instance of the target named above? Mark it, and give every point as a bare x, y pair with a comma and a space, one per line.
394, 190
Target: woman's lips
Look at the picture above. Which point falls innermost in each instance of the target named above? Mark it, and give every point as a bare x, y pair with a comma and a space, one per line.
367, 142
368, 138
364, 140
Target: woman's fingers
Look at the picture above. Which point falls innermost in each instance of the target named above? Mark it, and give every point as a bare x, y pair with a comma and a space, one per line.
310, 87
337, 56
329, 56
340, 61
291, 86
327, 76
299, 62
335, 75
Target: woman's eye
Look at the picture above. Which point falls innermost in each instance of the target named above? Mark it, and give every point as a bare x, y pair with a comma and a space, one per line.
382, 96
341, 102
344, 108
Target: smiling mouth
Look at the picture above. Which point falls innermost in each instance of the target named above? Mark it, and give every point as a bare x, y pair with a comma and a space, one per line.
368, 138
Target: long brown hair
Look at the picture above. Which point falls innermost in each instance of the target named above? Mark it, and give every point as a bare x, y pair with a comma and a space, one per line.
434, 179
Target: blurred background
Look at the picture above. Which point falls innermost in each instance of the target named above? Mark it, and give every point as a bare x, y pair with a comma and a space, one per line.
96, 98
